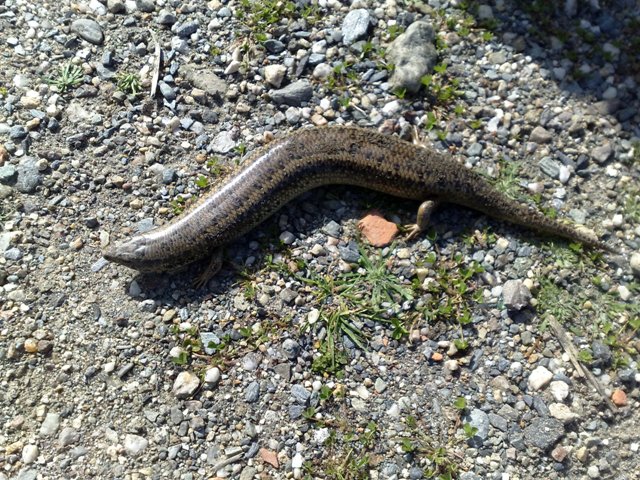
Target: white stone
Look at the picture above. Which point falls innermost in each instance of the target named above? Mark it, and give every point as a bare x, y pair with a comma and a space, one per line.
562, 412
135, 444
212, 376
559, 390
233, 67
274, 74
185, 385
30, 453
539, 378
624, 293
297, 461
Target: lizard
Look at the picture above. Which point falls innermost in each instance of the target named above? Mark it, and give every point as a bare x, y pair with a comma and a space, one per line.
308, 158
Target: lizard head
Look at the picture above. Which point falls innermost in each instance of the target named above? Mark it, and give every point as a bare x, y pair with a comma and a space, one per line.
132, 253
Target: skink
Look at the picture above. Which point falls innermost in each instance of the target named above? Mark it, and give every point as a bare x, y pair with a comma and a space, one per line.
309, 158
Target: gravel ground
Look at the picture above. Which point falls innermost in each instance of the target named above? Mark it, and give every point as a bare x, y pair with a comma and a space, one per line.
311, 354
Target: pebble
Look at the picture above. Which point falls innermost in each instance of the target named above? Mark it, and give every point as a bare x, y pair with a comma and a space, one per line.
414, 55
274, 74
516, 295
355, 25
539, 378
563, 413
559, 390
294, 94
543, 433
185, 385
619, 398
602, 153
68, 436
88, 30
28, 175
634, 263
252, 392
378, 231
134, 445
541, 135
480, 420
212, 376
30, 453
50, 425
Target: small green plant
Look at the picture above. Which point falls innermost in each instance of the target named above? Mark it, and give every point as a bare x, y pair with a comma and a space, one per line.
202, 182
241, 149
475, 124
394, 31
129, 83
68, 76
508, 181
177, 205
460, 403
469, 430
261, 17
3, 91
214, 166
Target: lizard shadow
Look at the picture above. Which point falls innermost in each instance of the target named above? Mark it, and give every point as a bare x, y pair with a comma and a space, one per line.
253, 252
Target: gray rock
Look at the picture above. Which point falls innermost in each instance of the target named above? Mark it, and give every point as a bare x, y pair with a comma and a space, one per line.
474, 149
116, 6
516, 295
88, 30
350, 253
332, 229
293, 94
291, 348
274, 46
480, 420
543, 433
25, 474
541, 135
134, 445
602, 153
204, 80
252, 393
355, 25
167, 91
185, 30
166, 17
50, 424
146, 6
212, 376
301, 394
209, 341
185, 385
225, 12
168, 176
634, 263
28, 175
550, 167
17, 132
223, 142
8, 174
68, 436
414, 55
601, 352
248, 473
498, 422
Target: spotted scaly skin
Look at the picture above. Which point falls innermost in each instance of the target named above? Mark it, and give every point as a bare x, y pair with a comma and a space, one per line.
313, 157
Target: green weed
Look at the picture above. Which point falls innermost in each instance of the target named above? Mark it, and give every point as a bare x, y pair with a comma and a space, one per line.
68, 76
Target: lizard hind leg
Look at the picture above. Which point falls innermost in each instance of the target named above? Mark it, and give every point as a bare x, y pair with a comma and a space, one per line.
210, 271
422, 218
